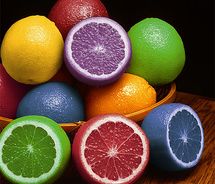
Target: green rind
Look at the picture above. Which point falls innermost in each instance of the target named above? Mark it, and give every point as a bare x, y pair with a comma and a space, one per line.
60, 134
158, 53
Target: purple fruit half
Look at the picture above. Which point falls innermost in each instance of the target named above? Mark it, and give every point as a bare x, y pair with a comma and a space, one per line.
97, 51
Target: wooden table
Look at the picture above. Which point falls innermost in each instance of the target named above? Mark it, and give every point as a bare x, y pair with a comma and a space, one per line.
203, 173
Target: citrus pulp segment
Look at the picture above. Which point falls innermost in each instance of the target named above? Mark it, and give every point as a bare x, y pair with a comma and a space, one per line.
110, 149
176, 136
185, 140
97, 51
33, 149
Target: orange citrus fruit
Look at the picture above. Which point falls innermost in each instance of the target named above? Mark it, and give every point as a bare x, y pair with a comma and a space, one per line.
129, 94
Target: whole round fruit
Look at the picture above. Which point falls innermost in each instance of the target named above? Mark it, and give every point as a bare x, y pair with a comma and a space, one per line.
67, 13
11, 93
176, 136
33, 149
55, 100
158, 53
97, 51
110, 149
32, 50
129, 94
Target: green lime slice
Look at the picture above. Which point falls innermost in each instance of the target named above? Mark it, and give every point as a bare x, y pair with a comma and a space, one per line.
33, 149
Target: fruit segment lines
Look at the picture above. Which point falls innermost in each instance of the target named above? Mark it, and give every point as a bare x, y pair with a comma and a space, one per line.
112, 155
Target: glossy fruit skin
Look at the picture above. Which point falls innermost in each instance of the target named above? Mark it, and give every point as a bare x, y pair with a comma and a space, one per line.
32, 50
155, 126
76, 149
158, 53
11, 93
129, 94
56, 100
67, 13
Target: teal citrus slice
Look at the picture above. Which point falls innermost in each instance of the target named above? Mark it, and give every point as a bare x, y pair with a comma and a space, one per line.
158, 53
33, 149
176, 136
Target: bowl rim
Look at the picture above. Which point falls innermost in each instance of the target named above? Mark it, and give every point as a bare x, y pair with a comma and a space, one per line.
136, 116
170, 97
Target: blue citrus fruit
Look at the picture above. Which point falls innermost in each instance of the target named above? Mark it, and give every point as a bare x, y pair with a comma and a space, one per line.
55, 100
176, 136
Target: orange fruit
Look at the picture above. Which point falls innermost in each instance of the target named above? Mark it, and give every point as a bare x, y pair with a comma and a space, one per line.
129, 94
67, 13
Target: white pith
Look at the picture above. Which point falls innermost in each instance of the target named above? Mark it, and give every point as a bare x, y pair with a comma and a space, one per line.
98, 20
189, 164
32, 180
94, 127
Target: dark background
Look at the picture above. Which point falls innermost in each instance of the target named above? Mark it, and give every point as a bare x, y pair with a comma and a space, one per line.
193, 19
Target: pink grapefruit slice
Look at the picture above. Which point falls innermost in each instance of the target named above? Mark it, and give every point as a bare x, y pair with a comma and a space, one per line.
97, 51
110, 149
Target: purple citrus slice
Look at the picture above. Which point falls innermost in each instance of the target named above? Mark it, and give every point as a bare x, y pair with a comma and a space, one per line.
110, 149
97, 51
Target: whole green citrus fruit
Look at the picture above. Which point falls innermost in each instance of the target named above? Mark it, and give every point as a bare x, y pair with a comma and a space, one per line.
158, 53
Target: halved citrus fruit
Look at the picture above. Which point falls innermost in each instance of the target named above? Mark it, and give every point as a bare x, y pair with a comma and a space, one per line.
33, 149
97, 51
110, 149
176, 136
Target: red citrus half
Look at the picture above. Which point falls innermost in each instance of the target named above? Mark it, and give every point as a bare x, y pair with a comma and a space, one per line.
110, 149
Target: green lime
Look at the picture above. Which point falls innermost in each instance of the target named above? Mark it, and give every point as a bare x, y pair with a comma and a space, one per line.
33, 149
158, 53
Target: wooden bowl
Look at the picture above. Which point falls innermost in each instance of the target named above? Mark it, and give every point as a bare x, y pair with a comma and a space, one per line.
165, 94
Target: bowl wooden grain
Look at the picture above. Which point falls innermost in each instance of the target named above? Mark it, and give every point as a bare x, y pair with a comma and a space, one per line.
165, 94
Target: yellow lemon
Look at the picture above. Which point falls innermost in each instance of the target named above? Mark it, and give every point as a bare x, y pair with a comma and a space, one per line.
32, 50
